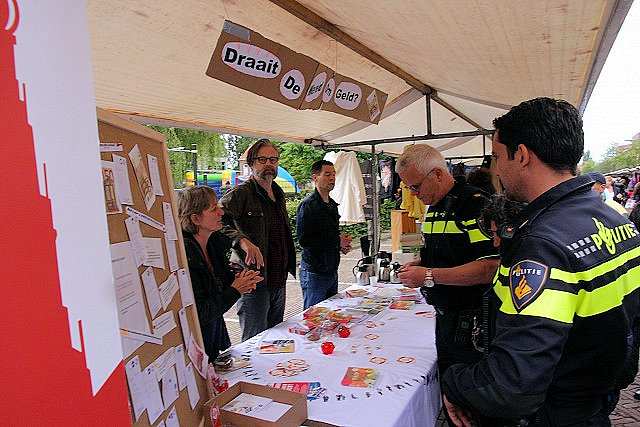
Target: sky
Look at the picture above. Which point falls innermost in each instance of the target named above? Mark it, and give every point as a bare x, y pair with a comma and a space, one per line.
613, 111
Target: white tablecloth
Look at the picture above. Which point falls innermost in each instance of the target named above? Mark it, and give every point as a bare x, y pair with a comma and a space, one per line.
403, 395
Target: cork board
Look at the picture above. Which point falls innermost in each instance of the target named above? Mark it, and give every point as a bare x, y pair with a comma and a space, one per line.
116, 130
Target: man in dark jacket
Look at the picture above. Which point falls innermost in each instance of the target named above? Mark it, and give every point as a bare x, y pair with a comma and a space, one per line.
566, 332
256, 209
318, 232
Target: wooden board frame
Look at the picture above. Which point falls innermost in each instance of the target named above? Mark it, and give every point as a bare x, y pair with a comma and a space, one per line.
115, 129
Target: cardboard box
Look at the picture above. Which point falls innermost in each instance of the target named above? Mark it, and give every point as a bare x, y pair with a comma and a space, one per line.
352, 98
245, 59
295, 416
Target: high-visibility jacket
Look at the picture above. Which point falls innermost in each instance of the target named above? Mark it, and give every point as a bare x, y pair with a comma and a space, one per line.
567, 327
452, 238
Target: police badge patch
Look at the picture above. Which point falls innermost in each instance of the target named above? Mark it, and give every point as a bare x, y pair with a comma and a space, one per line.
526, 282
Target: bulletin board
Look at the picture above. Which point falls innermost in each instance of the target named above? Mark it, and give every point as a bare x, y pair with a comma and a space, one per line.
158, 350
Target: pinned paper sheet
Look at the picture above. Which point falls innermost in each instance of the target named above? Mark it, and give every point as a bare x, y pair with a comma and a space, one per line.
132, 314
168, 290
142, 176
123, 184
164, 324
172, 418
139, 336
171, 253
169, 223
155, 175
186, 291
151, 291
136, 386
198, 357
155, 254
181, 367
111, 201
137, 241
164, 362
154, 404
169, 387
145, 218
184, 324
109, 147
192, 387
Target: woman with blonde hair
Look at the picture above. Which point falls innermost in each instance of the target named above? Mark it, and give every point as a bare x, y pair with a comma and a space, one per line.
215, 287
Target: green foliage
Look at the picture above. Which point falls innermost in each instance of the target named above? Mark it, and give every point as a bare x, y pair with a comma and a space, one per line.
614, 159
210, 147
297, 159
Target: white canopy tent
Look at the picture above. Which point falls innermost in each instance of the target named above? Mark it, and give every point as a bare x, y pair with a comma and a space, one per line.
472, 59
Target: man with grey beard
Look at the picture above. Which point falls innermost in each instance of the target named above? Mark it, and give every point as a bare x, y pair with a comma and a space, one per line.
256, 210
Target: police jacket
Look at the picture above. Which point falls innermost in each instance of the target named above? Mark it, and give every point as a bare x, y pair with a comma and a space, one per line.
318, 231
566, 329
452, 238
245, 215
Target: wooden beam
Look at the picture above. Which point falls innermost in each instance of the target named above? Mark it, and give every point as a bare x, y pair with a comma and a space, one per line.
326, 27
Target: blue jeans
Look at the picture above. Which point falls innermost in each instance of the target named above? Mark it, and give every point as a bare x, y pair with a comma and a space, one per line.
317, 287
261, 309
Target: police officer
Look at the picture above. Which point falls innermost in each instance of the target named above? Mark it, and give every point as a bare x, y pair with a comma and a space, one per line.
456, 263
566, 331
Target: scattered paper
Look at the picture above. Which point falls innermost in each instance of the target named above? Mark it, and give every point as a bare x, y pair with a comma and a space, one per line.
272, 412
123, 184
198, 357
109, 147
168, 290
169, 387
154, 404
137, 241
192, 387
186, 291
164, 324
142, 176
247, 404
155, 254
184, 324
111, 202
155, 175
145, 218
151, 291
136, 386
169, 222
181, 367
172, 418
139, 336
131, 311
171, 253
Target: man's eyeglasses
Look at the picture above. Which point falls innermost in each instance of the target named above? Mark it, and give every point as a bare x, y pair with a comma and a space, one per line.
416, 187
264, 160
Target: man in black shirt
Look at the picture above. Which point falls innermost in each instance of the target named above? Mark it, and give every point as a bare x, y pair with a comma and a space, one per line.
318, 232
458, 261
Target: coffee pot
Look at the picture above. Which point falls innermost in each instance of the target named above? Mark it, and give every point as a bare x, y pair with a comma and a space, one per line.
362, 275
384, 271
394, 277
381, 256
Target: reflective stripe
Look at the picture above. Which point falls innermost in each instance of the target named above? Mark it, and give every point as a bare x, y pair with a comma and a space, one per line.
561, 306
470, 222
592, 273
439, 227
429, 214
476, 236
488, 256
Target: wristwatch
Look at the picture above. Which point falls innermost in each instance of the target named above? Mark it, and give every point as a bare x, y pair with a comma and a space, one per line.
428, 278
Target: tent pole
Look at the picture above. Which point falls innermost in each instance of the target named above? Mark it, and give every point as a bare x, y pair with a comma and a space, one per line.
375, 243
479, 132
428, 105
484, 145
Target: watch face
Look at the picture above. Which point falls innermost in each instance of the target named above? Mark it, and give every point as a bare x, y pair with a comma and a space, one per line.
429, 283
